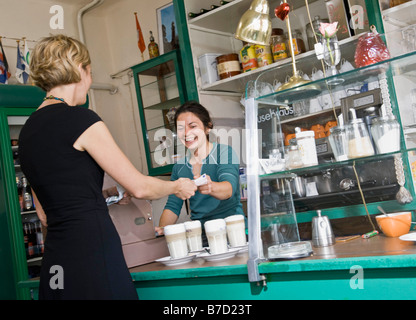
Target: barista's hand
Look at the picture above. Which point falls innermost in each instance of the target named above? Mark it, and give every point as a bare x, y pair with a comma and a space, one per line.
205, 188
185, 188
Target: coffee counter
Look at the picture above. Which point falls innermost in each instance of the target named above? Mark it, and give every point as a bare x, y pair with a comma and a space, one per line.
375, 268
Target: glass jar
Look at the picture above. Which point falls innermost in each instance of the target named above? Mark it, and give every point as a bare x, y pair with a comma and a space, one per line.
386, 134
293, 157
278, 44
297, 41
359, 142
228, 65
307, 147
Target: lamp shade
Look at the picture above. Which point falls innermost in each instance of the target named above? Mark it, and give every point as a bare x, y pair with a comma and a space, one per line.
255, 25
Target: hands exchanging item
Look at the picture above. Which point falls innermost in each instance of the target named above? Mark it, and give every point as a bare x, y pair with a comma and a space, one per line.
204, 183
188, 187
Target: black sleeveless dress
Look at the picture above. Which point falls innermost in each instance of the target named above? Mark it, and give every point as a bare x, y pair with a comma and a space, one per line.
83, 258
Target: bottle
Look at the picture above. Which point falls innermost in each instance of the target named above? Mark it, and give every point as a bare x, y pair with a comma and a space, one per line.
27, 196
26, 238
193, 15
39, 238
19, 192
153, 47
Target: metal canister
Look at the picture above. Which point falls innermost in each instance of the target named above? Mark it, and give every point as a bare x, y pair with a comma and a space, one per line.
228, 65
264, 55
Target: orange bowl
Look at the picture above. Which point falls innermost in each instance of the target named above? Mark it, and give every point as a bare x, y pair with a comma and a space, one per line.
395, 224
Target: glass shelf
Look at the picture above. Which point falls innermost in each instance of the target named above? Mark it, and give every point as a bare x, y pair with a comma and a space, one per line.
331, 165
404, 64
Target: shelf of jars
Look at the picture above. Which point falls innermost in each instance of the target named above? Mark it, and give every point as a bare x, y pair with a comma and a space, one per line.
404, 65
223, 21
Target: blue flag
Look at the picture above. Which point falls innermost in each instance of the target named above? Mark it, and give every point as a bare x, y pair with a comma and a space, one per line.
21, 74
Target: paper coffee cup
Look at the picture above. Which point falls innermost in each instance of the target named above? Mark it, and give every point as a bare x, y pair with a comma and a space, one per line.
175, 236
236, 230
216, 232
193, 235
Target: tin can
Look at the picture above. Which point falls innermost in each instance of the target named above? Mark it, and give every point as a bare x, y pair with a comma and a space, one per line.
248, 58
228, 65
263, 55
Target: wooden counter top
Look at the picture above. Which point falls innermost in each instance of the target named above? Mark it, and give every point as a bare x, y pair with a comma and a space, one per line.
377, 252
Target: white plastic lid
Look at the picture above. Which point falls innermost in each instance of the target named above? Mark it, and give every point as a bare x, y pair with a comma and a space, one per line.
174, 229
214, 225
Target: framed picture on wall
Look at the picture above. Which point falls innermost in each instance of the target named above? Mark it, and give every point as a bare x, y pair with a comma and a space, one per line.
168, 32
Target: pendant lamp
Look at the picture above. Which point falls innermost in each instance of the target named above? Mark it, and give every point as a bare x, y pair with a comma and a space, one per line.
255, 25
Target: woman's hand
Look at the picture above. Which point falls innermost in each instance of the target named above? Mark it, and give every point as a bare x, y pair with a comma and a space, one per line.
205, 188
219, 190
185, 188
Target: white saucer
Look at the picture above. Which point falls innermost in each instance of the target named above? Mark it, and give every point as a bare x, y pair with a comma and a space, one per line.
241, 249
408, 236
168, 261
219, 256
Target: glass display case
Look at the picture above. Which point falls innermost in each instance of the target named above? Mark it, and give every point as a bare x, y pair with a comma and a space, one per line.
160, 91
281, 191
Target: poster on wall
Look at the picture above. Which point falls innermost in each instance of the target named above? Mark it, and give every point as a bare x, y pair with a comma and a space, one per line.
168, 32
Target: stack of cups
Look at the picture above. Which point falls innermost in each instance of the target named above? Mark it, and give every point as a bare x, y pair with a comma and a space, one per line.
175, 236
193, 235
236, 230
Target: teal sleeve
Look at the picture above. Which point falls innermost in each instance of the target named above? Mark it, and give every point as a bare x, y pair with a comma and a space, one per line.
228, 169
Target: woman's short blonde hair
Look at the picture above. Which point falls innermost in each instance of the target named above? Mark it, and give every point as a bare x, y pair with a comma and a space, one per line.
55, 60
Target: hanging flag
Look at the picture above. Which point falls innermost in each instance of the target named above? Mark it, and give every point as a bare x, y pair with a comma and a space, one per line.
26, 56
21, 74
4, 66
141, 44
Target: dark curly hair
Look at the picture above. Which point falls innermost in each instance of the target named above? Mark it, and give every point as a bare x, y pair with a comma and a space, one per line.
198, 110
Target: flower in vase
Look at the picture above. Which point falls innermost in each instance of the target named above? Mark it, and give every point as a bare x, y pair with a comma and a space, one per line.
328, 31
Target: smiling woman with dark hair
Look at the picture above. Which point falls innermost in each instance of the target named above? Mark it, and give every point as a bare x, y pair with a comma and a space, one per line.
220, 196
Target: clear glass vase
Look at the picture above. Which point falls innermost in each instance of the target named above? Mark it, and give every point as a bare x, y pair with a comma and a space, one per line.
332, 56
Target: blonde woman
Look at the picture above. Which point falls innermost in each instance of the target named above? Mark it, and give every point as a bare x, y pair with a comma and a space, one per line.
65, 150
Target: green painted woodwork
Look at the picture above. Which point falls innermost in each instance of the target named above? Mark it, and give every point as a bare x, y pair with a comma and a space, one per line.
142, 67
384, 277
185, 51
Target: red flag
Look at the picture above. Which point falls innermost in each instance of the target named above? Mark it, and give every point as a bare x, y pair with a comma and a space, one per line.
141, 44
